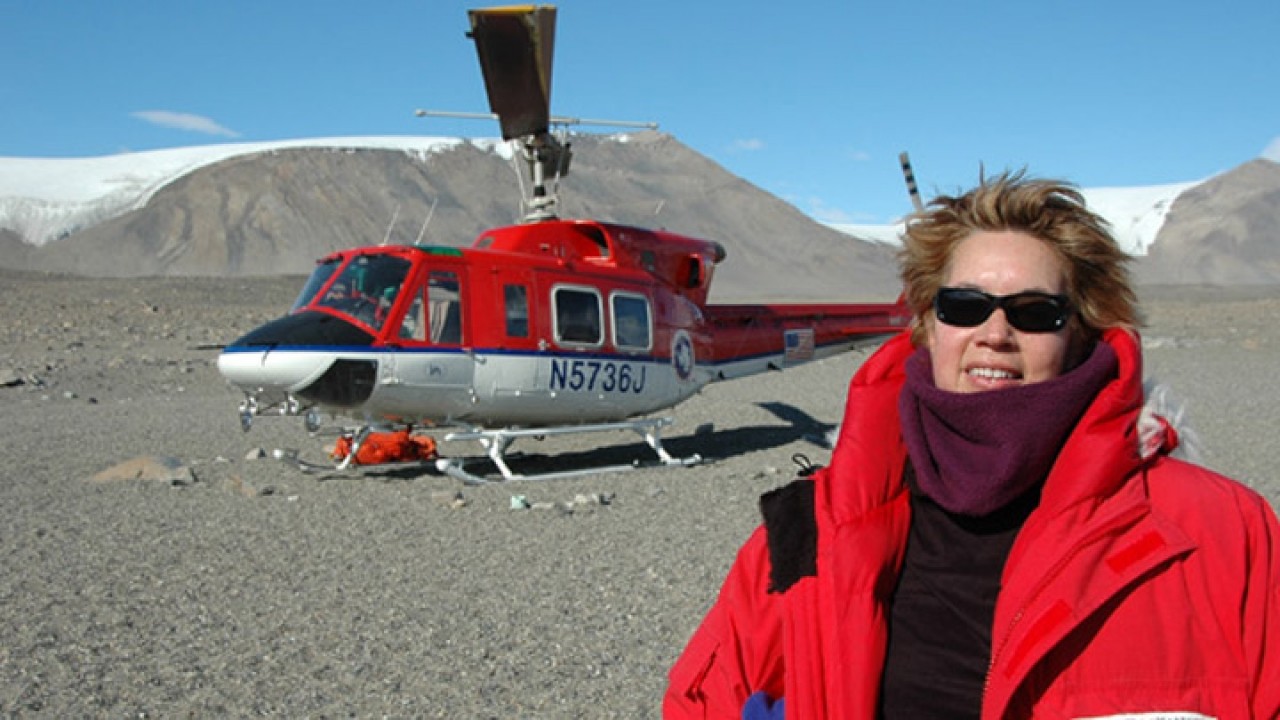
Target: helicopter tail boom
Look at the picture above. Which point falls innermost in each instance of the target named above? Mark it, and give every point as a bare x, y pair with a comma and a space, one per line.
748, 339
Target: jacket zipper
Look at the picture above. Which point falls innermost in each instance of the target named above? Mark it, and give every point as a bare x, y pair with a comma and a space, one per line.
1107, 528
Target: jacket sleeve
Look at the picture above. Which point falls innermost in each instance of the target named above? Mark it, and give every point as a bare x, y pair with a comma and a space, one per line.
1263, 614
737, 650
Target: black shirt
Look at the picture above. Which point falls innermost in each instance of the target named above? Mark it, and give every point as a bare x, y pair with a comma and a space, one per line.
943, 607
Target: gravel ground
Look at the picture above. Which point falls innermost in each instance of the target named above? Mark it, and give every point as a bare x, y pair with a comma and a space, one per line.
250, 588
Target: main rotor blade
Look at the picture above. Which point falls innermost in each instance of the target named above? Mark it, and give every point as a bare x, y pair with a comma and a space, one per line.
515, 45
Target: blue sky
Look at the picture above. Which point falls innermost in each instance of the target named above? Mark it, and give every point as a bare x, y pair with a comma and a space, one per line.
810, 101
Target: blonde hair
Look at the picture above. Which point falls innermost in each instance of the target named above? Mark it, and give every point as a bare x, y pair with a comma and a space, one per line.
1097, 279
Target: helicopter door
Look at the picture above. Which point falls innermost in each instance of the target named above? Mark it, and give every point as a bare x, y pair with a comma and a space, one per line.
430, 365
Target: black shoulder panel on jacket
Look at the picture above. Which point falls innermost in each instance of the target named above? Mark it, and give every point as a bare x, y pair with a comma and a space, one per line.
792, 532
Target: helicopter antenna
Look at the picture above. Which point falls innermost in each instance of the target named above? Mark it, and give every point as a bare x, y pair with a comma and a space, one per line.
515, 45
386, 237
909, 175
422, 231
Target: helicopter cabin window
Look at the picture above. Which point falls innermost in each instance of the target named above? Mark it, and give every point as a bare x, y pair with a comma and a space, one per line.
516, 300
630, 321
445, 303
578, 315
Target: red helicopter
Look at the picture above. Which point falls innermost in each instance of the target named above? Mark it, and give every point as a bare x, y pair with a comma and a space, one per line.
546, 327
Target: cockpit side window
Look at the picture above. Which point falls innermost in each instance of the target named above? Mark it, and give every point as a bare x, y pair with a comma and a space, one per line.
414, 324
445, 303
578, 315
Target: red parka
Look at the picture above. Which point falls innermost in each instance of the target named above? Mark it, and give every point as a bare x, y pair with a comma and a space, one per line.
1141, 583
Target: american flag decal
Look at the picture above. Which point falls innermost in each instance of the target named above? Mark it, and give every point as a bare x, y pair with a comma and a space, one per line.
797, 345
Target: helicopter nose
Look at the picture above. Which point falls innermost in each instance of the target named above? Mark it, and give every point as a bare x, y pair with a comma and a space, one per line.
315, 356
280, 369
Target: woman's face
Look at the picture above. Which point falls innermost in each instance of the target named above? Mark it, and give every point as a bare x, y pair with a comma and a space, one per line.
994, 354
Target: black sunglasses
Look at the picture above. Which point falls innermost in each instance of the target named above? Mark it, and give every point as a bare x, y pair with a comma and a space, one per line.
1033, 312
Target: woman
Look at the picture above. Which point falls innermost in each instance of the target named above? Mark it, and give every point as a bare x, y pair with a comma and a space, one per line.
1002, 532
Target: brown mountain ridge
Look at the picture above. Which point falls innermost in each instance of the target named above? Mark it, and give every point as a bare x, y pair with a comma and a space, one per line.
276, 212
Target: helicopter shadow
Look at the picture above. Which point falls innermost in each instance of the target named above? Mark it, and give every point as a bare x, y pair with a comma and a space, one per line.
719, 445
707, 442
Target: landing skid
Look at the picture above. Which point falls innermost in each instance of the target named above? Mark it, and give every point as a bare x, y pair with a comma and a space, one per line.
357, 437
495, 443
312, 468
291, 459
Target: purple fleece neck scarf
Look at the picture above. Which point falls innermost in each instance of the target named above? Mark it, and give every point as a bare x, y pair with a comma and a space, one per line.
974, 453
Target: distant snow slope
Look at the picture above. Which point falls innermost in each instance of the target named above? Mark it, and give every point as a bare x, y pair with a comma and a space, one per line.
1136, 215
43, 199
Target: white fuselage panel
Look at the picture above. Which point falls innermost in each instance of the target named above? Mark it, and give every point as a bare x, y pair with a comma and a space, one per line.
275, 370
480, 388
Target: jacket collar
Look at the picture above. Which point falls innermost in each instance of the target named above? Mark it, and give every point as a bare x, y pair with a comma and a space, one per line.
1103, 449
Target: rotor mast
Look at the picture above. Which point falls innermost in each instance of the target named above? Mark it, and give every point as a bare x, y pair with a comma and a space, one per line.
515, 45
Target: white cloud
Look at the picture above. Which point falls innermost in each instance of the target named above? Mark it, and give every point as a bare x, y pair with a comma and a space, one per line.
748, 145
1272, 151
184, 121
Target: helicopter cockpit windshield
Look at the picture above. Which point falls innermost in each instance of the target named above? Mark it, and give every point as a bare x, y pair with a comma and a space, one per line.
319, 278
364, 289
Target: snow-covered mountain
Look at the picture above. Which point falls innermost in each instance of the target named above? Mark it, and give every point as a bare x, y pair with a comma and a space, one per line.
273, 209
42, 200
1136, 215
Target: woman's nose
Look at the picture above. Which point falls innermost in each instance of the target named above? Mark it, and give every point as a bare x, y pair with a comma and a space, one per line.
996, 329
